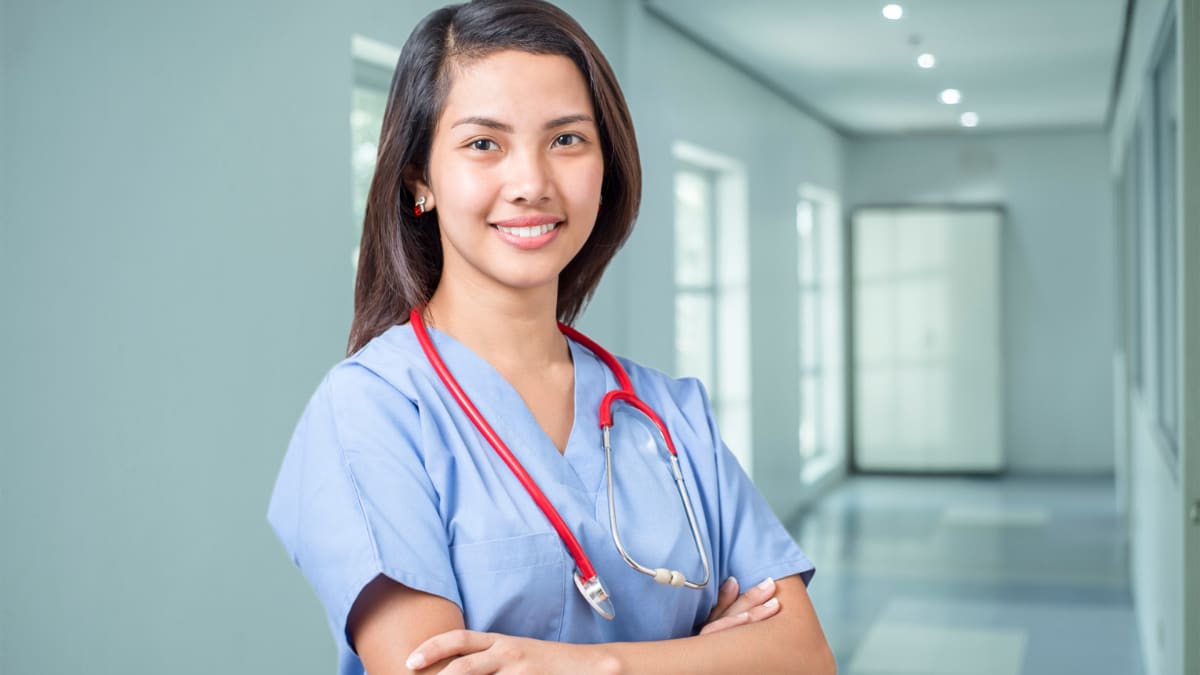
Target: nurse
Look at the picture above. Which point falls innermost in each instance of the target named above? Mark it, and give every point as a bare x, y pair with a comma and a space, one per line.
507, 178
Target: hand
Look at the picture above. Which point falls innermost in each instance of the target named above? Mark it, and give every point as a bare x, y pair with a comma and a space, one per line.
756, 604
474, 652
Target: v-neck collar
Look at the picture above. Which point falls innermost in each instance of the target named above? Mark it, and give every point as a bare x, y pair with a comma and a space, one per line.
508, 414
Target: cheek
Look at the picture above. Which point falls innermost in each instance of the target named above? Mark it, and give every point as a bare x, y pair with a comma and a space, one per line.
461, 191
586, 183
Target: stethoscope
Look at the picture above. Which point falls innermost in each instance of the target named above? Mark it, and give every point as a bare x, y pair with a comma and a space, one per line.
586, 579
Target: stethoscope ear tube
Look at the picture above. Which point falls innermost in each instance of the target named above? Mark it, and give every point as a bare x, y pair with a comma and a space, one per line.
661, 575
586, 579
564, 532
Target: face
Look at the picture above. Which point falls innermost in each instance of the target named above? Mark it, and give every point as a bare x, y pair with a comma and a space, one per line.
515, 171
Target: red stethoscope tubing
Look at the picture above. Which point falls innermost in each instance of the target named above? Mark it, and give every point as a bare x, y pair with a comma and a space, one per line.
564, 532
625, 393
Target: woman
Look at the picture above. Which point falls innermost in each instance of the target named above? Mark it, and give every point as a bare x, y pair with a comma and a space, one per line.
507, 179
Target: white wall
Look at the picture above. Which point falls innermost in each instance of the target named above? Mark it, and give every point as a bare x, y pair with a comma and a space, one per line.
1156, 498
679, 91
1056, 275
176, 278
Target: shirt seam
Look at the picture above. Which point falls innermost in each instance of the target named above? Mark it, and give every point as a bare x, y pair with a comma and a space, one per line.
345, 461
380, 568
804, 562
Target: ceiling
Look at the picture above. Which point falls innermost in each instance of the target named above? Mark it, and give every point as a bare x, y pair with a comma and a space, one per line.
1020, 64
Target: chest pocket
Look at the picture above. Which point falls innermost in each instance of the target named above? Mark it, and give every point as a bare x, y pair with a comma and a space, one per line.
514, 585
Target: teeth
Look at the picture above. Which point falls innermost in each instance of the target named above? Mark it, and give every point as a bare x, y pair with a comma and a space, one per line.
535, 231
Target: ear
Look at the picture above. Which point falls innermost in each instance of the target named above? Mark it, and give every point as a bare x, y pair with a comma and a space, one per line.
418, 185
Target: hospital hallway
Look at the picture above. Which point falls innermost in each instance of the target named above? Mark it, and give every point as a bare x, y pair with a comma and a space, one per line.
972, 576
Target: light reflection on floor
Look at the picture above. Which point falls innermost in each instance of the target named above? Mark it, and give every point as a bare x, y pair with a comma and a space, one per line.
972, 576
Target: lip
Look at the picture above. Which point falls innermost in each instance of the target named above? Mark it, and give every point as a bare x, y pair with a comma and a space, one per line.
529, 221
528, 243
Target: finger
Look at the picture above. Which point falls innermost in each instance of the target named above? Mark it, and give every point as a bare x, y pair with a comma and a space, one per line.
764, 611
445, 645
725, 597
479, 663
753, 597
725, 623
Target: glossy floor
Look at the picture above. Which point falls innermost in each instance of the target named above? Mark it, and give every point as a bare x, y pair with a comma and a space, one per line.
965, 576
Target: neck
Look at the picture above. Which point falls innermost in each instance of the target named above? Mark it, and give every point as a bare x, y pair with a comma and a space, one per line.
516, 332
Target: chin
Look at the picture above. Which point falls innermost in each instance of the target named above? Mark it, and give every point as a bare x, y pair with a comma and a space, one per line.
528, 280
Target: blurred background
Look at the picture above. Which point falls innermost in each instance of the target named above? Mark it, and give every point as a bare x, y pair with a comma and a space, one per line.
934, 261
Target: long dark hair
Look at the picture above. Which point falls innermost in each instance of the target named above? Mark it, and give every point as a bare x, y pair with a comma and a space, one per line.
400, 258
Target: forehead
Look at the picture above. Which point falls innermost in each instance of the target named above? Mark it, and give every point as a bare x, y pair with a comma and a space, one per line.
511, 83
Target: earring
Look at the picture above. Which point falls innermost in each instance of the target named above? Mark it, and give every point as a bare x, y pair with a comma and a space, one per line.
419, 208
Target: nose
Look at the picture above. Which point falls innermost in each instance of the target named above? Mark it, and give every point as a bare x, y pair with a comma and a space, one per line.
528, 177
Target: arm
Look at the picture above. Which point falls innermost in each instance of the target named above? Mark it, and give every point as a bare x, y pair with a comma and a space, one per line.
791, 642
389, 620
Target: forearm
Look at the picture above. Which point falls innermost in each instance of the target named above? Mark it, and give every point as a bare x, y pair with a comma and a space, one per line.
772, 646
790, 641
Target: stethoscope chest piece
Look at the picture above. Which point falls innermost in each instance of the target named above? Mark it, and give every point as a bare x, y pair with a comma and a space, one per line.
594, 592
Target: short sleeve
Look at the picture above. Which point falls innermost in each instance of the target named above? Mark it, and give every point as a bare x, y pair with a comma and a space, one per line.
353, 499
754, 545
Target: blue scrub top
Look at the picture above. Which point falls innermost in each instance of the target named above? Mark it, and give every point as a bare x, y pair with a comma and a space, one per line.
386, 475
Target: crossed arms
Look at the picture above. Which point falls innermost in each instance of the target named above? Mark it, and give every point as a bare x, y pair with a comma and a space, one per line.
393, 625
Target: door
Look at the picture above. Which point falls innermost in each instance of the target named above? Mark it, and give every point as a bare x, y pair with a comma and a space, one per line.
926, 339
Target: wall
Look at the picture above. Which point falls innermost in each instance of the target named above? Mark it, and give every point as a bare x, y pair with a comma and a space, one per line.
681, 92
1162, 577
1056, 273
175, 178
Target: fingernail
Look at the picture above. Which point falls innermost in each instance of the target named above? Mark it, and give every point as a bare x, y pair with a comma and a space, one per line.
767, 583
729, 585
415, 660
772, 603
744, 615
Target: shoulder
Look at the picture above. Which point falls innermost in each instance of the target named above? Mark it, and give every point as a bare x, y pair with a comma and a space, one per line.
682, 399
373, 390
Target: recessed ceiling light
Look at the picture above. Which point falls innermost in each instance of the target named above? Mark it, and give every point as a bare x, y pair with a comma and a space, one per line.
893, 12
969, 119
926, 61
950, 96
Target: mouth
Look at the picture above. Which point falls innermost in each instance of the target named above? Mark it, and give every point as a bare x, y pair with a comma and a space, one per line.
526, 232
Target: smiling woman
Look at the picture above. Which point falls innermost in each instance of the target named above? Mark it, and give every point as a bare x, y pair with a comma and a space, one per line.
516, 149
452, 477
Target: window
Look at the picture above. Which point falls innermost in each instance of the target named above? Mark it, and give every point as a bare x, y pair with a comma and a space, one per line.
695, 283
374, 63
821, 317
1166, 281
1155, 282
1132, 203
712, 315
1144, 252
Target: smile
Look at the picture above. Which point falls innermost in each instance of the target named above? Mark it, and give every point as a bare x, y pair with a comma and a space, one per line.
534, 231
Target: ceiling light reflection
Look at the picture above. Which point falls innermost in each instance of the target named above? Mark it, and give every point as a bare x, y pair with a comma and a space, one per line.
950, 96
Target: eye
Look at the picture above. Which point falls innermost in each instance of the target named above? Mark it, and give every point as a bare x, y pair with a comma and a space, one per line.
484, 144
568, 139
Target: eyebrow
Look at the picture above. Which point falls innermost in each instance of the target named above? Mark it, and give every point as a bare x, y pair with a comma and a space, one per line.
500, 126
